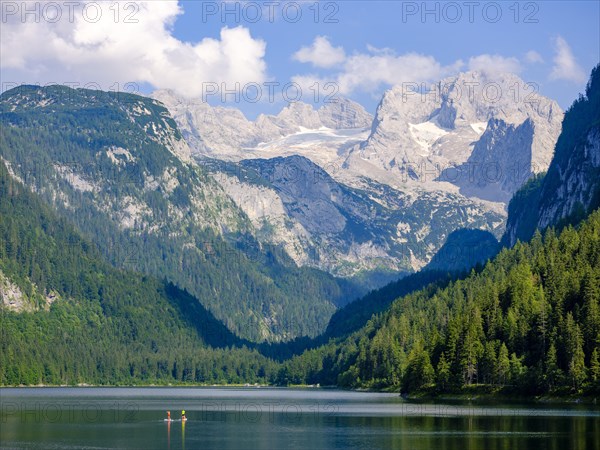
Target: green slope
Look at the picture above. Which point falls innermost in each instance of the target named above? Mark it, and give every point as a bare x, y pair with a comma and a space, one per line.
105, 325
106, 163
529, 322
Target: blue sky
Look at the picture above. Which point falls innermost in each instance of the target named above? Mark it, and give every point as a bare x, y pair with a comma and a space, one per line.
362, 49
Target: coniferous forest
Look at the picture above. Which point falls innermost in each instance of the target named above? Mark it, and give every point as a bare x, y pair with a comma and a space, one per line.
105, 326
529, 322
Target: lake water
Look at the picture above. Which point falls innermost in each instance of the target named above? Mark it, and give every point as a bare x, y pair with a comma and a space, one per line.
268, 418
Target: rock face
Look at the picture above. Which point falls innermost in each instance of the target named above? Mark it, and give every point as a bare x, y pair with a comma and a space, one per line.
11, 296
223, 131
494, 170
578, 181
295, 204
14, 299
571, 188
344, 114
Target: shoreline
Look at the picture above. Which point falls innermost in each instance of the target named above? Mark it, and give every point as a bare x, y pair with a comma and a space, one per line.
419, 397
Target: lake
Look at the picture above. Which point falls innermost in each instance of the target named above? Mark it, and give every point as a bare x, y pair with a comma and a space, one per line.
273, 418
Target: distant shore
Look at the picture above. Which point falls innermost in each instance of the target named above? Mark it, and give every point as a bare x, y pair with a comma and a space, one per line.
472, 395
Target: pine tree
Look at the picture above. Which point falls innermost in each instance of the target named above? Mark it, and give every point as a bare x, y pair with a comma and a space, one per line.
489, 363
575, 354
553, 374
503, 365
591, 310
419, 372
517, 369
443, 372
595, 366
471, 348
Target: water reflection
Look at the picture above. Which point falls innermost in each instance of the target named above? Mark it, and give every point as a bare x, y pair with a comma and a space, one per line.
183, 434
266, 419
168, 434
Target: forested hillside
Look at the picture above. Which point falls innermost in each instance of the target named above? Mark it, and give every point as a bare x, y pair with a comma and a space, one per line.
117, 168
83, 321
529, 322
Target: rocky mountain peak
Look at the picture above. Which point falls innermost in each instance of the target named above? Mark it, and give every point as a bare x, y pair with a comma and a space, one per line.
343, 113
440, 125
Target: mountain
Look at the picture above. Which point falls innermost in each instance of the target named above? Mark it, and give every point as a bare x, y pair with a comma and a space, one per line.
571, 187
77, 319
428, 164
528, 321
117, 167
225, 133
369, 235
423, 136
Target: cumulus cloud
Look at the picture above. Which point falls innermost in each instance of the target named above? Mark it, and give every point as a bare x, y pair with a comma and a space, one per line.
494, 64
109, 51
533, 57
375, 68
565, 66
380, 67
369, 71
321, 53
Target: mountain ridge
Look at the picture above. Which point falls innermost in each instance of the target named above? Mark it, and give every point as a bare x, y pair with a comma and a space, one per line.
571, 188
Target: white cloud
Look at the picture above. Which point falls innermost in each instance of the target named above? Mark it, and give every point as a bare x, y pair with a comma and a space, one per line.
369, 71
321, 53
565, 66
309, 83
112, 51
533, 57
494, 64
382, 67
377, 67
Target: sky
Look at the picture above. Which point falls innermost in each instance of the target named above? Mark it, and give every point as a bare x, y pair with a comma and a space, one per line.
257, 56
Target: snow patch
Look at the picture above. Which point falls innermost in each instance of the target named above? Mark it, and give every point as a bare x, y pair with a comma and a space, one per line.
479, 127
426, 134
